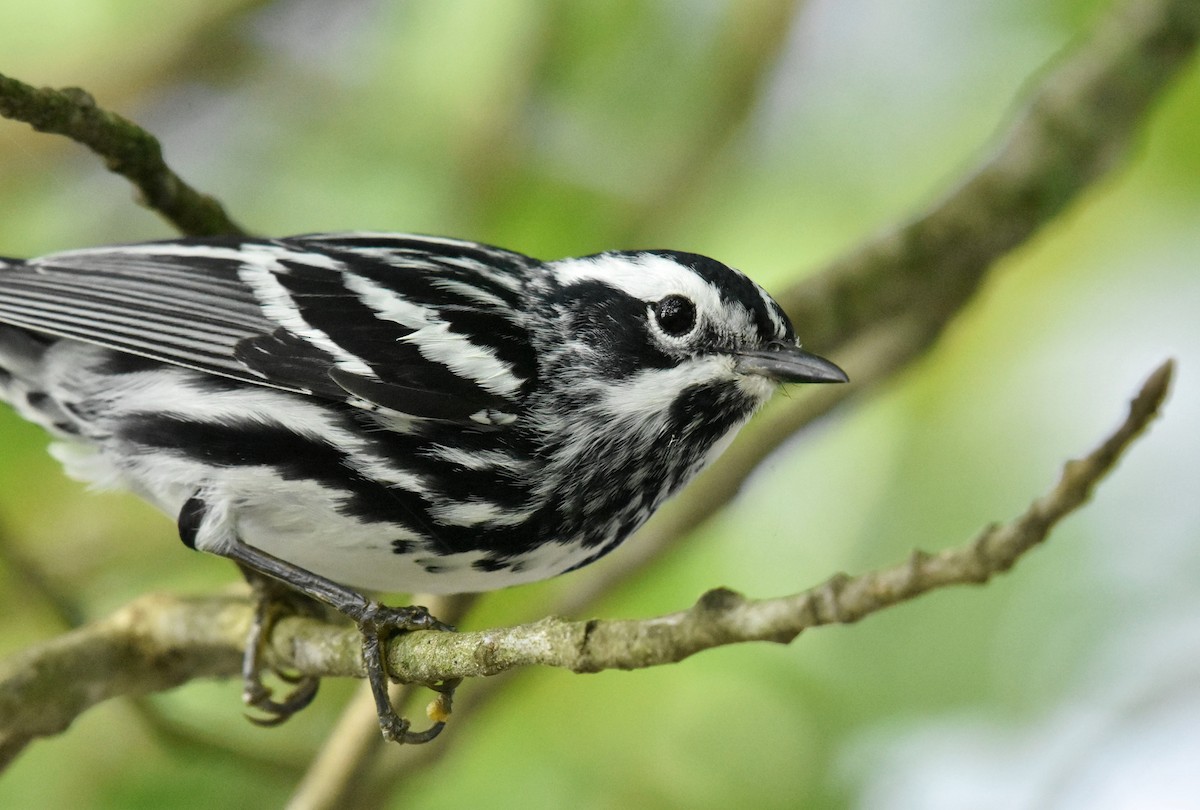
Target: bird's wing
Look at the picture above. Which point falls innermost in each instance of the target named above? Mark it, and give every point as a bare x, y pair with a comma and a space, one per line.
431, 328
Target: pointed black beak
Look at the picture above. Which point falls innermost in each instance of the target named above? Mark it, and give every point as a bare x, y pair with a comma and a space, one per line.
789, 364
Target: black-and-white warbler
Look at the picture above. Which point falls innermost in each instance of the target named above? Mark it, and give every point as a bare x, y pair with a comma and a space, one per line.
386, 411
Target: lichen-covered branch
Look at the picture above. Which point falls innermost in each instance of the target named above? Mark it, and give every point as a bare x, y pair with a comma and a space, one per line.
158, 641
152, 644
126, 148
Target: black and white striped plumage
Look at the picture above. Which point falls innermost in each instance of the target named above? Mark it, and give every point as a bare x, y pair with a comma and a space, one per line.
391, 412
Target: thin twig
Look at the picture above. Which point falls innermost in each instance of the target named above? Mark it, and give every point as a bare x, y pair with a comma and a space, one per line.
722, 617
158, 642
127, 150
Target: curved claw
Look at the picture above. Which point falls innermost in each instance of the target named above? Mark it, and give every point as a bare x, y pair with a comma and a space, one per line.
257, 695
378, 624
419, 737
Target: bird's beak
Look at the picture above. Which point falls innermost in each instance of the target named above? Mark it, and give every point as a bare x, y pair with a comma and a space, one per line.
789, 364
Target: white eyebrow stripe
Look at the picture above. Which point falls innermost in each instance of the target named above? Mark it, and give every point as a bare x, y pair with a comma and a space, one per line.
646, 277
650, 277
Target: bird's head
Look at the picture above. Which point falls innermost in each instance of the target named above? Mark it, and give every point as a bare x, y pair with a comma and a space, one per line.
650, 324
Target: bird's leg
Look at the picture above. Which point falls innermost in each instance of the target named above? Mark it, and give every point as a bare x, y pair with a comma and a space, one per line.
377, 623
271, 598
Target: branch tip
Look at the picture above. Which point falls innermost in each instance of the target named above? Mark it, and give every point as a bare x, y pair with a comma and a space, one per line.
125, 148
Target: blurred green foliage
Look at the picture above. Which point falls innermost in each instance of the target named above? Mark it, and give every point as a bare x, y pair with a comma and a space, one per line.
562, 128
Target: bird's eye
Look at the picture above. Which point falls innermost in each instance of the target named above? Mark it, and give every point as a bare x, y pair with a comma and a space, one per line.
676, 315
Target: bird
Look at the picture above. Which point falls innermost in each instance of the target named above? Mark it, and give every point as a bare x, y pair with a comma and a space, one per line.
357, 412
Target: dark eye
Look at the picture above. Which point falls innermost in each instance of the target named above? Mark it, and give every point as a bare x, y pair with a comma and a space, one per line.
676, 315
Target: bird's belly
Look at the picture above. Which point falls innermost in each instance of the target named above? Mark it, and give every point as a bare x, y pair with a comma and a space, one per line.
382, 556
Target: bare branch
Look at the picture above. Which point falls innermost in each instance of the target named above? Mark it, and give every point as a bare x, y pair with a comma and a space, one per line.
158, 642
152, 644
127, 150
723, 617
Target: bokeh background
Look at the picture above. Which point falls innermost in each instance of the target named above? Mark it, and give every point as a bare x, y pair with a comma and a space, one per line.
773, 135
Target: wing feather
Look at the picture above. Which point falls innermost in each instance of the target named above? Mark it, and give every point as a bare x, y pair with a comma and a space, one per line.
363, 318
